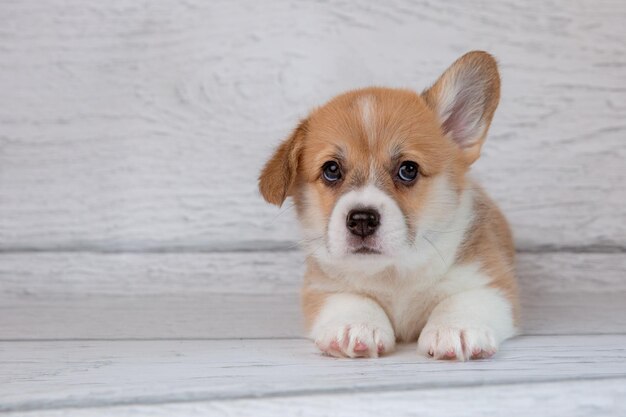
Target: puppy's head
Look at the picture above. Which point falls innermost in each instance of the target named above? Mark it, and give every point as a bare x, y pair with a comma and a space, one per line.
374, 170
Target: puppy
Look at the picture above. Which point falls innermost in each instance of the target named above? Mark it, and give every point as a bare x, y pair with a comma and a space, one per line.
401, 245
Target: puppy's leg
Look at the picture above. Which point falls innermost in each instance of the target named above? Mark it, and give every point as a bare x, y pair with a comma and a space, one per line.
467, 325
349, 325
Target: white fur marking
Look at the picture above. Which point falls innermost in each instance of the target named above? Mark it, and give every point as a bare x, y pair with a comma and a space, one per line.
440, 231
368, 117
390, 238
442, 225
347, 320
468, 324
471, 320
418, 284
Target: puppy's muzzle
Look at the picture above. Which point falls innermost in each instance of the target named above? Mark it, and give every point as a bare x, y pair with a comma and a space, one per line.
363, 222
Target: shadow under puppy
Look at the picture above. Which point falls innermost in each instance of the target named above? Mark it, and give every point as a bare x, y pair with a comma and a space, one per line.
401, 245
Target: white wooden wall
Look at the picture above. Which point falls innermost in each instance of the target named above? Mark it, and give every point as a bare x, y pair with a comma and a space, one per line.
142, 125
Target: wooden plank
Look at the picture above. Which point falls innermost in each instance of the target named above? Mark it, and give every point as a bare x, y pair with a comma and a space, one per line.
122, 274
564, 399
168, 296
44, 375
144, 126
219, 316
146, 274
211, 316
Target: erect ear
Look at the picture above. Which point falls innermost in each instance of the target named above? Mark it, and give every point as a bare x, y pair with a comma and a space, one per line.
465, 98
279, 174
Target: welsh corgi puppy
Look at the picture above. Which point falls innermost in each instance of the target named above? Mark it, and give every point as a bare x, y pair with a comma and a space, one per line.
401, 244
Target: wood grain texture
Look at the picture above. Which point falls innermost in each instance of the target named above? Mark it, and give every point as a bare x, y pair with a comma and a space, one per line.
45, 375
144, 274
222, 316
142, 125
562, 399
239, 295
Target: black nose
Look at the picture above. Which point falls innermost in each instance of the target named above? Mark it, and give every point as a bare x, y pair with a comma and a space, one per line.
363, 222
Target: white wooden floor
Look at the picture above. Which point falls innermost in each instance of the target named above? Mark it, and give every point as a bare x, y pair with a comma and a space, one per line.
145, 334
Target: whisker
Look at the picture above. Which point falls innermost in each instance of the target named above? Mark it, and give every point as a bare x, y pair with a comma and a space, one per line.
283, 211
437, 250
443, 231
318, 247
309, 240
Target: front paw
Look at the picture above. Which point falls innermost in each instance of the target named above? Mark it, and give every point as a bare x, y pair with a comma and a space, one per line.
355, 341
457, 343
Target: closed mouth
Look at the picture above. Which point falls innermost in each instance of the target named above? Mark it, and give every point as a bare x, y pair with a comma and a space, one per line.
364, 250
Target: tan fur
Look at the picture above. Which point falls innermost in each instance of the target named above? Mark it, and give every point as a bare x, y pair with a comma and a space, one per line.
401, 115
278, 175
489, 241
311, 302
403, 125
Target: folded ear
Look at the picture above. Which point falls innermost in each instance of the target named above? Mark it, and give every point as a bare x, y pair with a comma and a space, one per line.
279, 174
465, 98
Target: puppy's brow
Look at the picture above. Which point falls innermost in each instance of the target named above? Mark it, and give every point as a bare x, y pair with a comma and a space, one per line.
340, 152
396, 150
337, 153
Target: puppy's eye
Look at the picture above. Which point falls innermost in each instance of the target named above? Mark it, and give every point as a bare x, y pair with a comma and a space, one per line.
407, 171
331, 171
